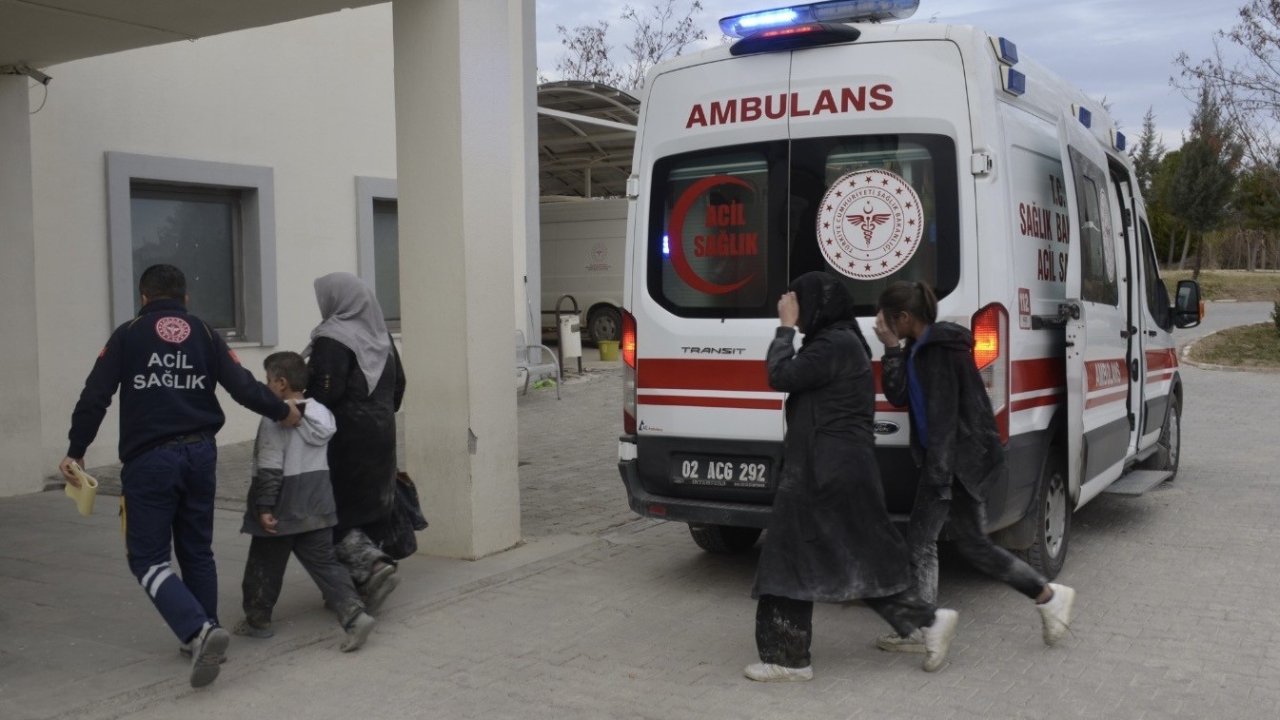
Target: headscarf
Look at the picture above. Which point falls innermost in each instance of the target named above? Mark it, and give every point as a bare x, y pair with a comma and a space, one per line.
824, 301
351, 315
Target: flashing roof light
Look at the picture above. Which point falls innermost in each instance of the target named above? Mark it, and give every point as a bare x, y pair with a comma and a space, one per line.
1084, 116
1118, 140
1014, 82
1006, 50
832, 11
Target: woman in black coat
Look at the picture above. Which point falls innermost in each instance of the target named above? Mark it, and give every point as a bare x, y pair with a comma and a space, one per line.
830, 538
355, 372
955, 441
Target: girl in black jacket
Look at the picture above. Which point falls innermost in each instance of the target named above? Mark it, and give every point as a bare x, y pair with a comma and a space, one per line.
955, 441
830, 537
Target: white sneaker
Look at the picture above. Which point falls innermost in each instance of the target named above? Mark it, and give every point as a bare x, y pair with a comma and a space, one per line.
893, 642
768, 672
1055, 614
938, 637
208, 650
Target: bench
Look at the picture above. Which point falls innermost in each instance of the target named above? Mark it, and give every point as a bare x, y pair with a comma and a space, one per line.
535, 361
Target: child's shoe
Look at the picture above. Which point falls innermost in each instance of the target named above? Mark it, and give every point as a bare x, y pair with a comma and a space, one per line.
248, 629
1055, 614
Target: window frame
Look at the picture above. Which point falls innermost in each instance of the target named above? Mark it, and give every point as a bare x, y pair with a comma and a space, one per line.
255, 272
369, 191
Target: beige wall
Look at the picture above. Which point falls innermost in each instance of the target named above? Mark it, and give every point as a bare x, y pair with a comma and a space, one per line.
312, 99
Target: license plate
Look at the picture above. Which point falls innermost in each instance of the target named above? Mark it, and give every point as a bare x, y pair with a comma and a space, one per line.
720, 471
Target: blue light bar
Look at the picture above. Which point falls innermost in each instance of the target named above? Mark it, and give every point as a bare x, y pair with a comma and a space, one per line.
1006, 50
1086, 117
832, 11
1014, 82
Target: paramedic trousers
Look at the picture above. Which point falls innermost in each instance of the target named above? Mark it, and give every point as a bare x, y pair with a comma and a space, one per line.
934, 508
264, 575
168, 510
784, 627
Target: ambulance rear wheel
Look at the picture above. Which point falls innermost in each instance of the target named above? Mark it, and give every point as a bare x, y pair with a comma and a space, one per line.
724, 539
1048, 550
604, 323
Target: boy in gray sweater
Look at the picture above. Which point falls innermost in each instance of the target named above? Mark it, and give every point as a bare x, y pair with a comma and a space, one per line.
291, 510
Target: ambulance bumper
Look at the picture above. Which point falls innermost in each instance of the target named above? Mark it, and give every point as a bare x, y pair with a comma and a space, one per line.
688, 510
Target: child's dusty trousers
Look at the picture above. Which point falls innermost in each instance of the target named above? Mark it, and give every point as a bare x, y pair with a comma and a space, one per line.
264, 575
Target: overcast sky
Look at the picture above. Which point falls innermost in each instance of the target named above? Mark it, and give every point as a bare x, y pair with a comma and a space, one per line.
1120, 49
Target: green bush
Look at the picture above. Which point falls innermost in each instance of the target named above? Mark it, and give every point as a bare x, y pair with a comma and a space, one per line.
1275, 316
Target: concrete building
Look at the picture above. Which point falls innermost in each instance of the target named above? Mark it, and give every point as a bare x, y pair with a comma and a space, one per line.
264, 143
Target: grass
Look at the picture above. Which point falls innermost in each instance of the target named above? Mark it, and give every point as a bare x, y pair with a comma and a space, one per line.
1248, 346
1239, 285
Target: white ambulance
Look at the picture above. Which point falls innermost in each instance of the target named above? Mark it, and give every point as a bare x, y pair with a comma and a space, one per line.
827, 139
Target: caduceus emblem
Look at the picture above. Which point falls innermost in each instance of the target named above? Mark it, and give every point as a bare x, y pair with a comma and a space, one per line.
868, 220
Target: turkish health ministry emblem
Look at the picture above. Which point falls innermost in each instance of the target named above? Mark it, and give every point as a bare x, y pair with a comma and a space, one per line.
870, 224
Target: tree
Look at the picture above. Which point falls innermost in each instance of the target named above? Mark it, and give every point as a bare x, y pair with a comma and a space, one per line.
1249, 90
1164, 224
657, 33
1206, 175
1148, 153
1258, 202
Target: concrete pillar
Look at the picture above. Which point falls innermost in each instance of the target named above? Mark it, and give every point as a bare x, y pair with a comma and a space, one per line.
457, 110
524, 162
20, 444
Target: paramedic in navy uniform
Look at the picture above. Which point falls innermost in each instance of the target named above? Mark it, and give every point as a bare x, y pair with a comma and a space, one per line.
166, 363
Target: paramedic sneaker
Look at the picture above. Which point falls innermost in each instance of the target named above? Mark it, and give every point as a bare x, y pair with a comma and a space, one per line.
208, 650
768, 672
357, 632
893, 642
185, 651
938, 637
1056, 613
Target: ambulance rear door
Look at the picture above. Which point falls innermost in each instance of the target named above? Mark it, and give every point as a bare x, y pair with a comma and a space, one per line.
1097, 331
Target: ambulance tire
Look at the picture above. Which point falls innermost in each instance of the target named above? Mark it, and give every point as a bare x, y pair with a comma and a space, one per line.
724, 539
1169, 446
1048, 551
604, 323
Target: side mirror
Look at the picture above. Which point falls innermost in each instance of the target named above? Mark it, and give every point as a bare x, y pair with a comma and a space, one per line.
1187, 308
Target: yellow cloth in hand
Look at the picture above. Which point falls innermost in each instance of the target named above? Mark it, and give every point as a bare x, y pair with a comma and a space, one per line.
85, 494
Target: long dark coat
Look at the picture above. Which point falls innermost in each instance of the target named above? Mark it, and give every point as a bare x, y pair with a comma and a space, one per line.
362, 453
830, 538
964, 442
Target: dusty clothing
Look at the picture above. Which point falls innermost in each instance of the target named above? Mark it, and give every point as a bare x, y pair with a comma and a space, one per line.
967, 519
784, 627
291, 481
362, 453
963, 440
264, 575
291, 475
830, 538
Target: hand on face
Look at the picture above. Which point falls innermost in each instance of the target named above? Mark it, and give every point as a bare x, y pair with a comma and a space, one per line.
788, 310
884, 331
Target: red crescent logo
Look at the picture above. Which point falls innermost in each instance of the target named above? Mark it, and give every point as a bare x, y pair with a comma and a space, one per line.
676, 232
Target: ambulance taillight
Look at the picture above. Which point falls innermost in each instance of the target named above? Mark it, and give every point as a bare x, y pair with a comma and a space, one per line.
991, 355
628, 373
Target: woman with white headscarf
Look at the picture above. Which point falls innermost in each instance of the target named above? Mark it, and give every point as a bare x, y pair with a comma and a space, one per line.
355, 371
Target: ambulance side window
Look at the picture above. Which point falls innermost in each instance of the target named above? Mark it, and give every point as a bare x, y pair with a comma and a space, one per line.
1157, 295
1097, 251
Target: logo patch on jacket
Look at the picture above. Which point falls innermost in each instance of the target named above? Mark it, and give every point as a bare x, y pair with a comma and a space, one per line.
173, 329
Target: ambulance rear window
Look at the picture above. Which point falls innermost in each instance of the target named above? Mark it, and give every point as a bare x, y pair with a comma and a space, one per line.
731, 227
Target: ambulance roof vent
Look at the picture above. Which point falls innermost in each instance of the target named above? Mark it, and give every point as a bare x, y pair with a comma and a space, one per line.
832, 11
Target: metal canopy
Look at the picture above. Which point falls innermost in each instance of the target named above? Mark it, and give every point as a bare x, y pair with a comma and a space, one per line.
586, 134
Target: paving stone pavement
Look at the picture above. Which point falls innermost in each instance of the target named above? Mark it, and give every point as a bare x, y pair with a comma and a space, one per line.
1175, 617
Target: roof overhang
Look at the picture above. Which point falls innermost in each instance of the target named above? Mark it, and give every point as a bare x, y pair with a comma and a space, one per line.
586, 135
40, 33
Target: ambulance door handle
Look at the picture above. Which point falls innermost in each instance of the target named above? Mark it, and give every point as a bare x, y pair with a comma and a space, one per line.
1152, 333
1133, 368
